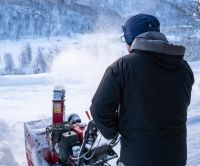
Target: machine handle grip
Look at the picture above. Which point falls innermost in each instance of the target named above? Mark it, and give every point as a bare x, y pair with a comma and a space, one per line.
88, 115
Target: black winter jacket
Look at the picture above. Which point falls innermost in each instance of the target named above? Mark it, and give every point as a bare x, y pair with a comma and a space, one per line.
144, 96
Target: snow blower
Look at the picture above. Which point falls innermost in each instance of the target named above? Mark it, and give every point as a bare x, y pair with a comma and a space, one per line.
58, 142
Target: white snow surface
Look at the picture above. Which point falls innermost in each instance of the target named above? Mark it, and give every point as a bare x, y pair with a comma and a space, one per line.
79, 68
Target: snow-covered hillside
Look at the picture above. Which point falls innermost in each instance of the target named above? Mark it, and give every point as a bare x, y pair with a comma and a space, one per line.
34, 18
31, 19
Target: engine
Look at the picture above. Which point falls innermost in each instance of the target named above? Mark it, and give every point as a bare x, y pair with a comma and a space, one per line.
73, 143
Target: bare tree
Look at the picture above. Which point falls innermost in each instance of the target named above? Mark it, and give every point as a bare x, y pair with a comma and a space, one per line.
26, 56
9, 63
40, 65
198, 7
29, 52
60, 2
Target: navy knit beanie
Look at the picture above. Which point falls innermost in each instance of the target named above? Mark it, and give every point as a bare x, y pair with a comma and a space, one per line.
139, 24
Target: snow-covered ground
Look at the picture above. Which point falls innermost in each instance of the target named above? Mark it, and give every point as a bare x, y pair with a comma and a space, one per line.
79, 68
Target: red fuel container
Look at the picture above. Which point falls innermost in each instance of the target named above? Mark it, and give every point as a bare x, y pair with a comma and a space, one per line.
58, 105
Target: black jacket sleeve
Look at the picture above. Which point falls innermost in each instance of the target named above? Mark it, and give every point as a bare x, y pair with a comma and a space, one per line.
106, 102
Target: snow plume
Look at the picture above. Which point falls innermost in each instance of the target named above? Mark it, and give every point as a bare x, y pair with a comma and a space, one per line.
81, 66
86, 59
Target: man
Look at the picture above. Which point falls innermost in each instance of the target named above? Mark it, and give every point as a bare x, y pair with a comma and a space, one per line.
144, 96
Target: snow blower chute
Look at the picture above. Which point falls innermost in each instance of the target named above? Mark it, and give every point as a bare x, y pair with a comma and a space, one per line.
60, 142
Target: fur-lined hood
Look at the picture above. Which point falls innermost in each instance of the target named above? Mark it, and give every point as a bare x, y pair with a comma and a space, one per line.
156, 42
163, 53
